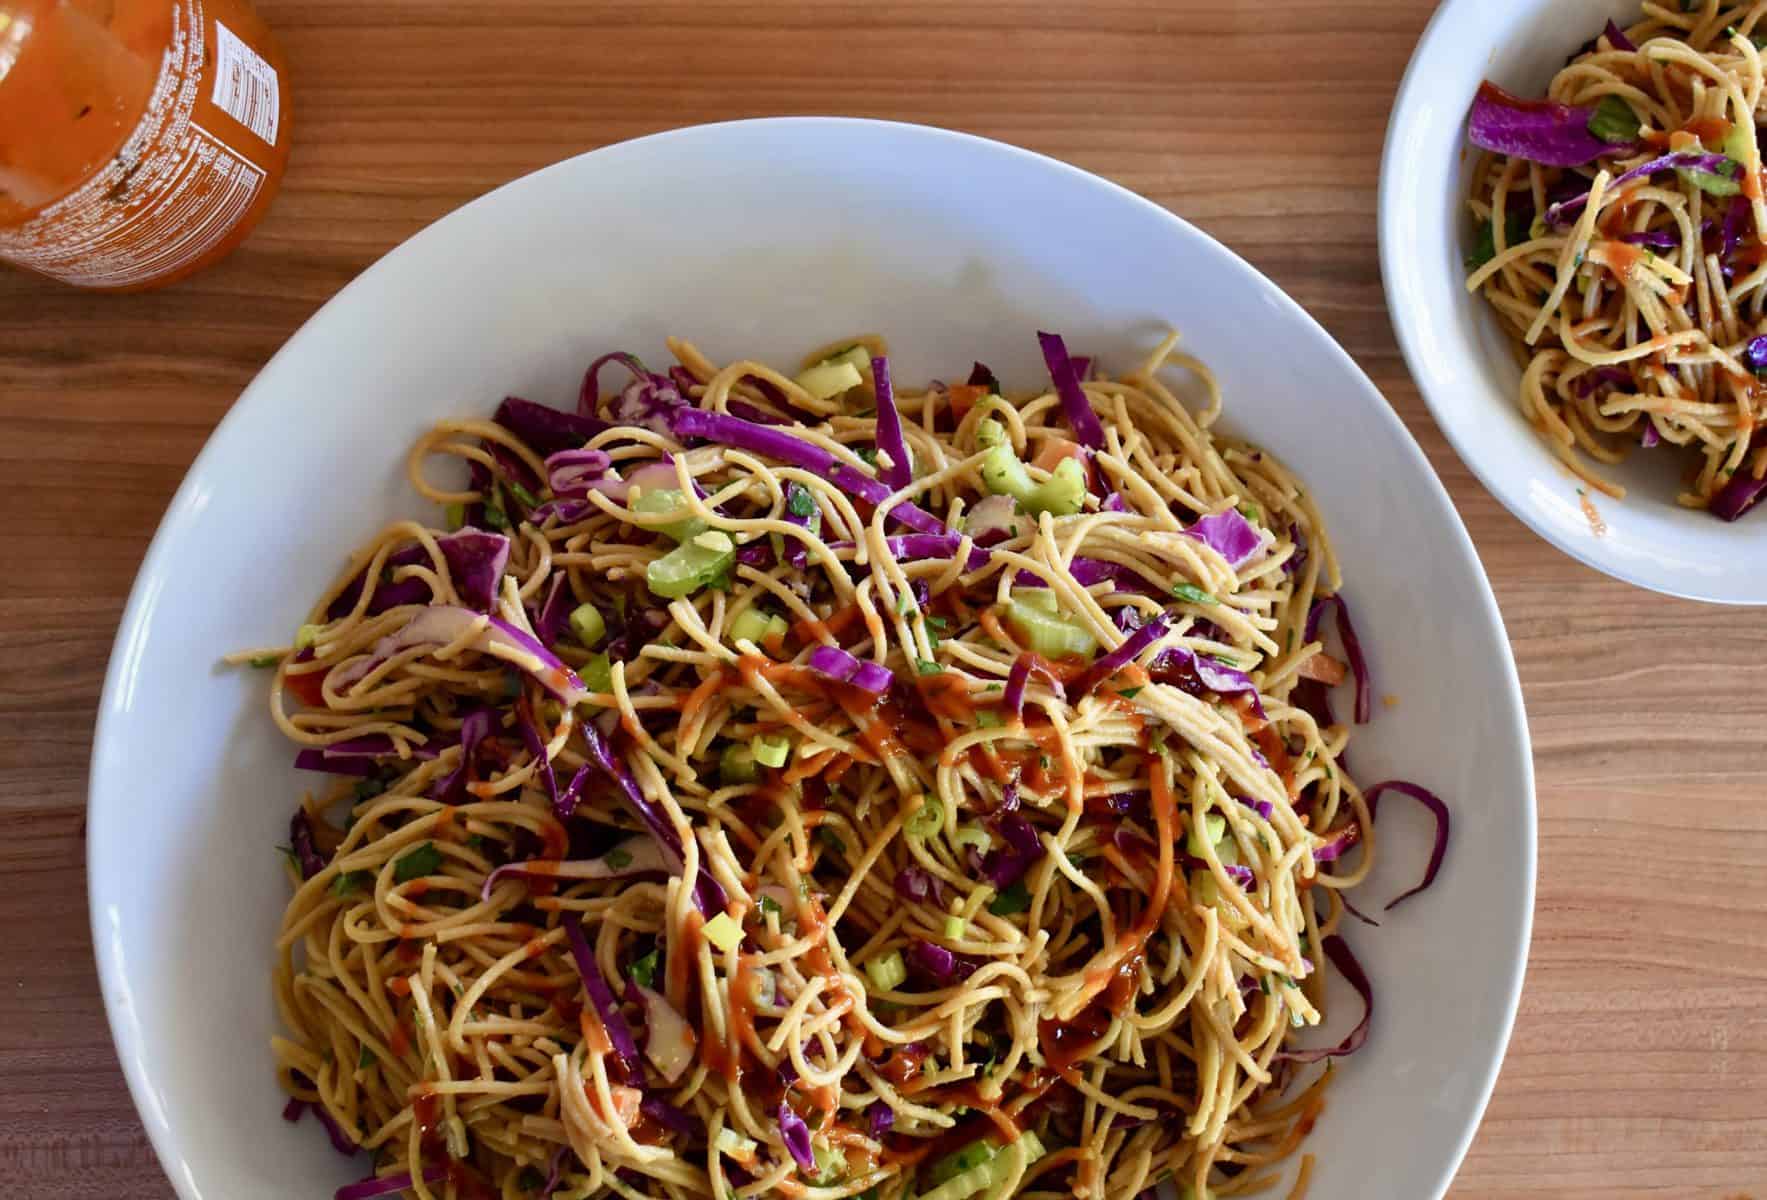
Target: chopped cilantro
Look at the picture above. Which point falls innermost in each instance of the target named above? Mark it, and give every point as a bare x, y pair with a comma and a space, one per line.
868, 455
523, 494
1193, 594
643, 971
419, 862
904, 602
799, 503
769, 905
617, 858
288, 853
365, 1059
1129, 693
495, 517
927, 666
265, 661
350, 881
1015, 899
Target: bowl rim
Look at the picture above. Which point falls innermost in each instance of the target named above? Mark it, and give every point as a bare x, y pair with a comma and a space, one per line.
1407, 101
138, 615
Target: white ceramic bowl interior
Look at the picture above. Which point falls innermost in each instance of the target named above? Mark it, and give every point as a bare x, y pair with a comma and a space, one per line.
766, 238
1456, 348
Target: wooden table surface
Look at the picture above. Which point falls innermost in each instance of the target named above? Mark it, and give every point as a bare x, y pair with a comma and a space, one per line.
1639, 1062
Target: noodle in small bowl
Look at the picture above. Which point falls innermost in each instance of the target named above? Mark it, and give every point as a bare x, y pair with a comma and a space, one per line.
808, 762
1572, 273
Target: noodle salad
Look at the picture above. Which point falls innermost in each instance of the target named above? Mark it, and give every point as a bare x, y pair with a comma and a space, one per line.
785, 785
1623, 243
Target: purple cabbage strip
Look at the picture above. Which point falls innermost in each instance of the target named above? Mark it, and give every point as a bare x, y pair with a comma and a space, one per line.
546, 430
796, 1135
1023, 849
1088, 430
589, 395
1555, 135
879, 1118
312, 759
708, 895
1430, 801
942, 966
387, 1185
1690, 160
606, 1007
840, 666
667, 1116
889, 427
554, 1172
1743, 490
554, 614
773, 443
1198, 673
1105, 666
797, 555
476, 560
477, 725
1617, 38
1230, 535
386, 595
1590, 380
535, 741
1020, 676
1338, 951
1352, 648
1650, 437
300, 838
1090, 572
919, 885
981, 376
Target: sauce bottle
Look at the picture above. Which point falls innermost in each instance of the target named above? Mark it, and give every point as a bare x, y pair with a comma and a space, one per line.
140, 140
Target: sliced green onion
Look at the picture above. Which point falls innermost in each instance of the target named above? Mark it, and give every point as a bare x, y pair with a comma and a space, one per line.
692, 565
927, 820
770, 749
955, 927
737, 764
1015, 899
750, 625
1216, 828
887, 972
971, 835
643, 971
454, 515
1195, 595
306, 636
665, 500
1047, 633
588, 624
598, 673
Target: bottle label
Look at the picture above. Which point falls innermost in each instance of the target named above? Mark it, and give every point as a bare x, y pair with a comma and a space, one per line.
174, 190
245, 85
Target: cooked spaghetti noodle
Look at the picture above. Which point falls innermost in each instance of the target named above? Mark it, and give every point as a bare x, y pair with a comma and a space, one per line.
952, 823
1633, 274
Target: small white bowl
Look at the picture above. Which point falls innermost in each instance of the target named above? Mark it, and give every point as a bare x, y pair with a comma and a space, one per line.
1460, 356
764, 238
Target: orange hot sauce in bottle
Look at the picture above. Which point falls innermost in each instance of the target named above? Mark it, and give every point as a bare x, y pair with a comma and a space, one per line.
140, 140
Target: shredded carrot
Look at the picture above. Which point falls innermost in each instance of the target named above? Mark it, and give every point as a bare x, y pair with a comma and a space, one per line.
1325, 669
1053, 450
709, 687
594, 1036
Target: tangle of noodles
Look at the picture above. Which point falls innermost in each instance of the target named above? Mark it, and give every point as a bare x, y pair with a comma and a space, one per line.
954, 915
1635, 311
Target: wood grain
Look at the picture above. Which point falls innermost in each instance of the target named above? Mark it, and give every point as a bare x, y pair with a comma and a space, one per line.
1639, 1064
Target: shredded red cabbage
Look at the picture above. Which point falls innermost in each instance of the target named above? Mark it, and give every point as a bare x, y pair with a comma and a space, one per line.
919, 885
1088, 430
554, 614
1617, 38
1023, 849
476, 560
546, 429
840, 666
1541, 131
940, 965
1198, 673
635, 856
1430, 801
708, 896
898, 474
625, 1050
475, 727
1656, 239
667, 1116
1090, 572
1739, 495
879, 1118
300, 839
387, 1185
726, 430
1338, 951
386, 594
981, 376
1352, 650
1230, 535
1681, 160
1338, 843
1106, 665
1020, 676
796, 1135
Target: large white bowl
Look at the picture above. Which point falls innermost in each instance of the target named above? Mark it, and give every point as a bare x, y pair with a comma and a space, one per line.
766, 238
1458, 352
